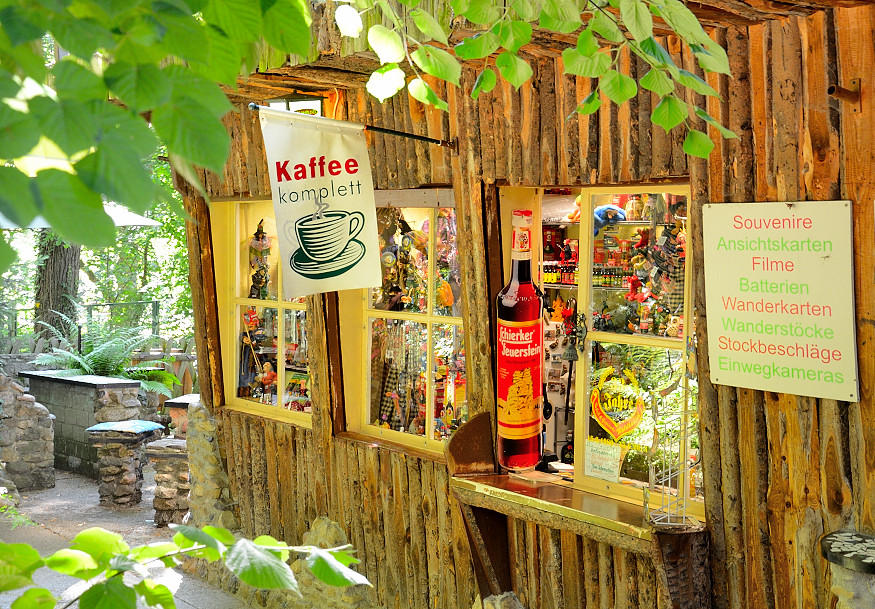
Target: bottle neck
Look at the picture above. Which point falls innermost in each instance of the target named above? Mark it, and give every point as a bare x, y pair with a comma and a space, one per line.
521, 270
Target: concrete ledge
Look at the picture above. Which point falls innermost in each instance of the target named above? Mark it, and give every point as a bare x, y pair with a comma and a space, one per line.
85, 380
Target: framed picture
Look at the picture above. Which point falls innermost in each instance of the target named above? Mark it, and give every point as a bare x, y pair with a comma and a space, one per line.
553, 374
556, 358
556, 387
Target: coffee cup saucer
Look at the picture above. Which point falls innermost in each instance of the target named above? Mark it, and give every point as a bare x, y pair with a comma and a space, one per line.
345, 260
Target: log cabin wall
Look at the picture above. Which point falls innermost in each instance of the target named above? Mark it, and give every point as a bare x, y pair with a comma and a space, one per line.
780, 470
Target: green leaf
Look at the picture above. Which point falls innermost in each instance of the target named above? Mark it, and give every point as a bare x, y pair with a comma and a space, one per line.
68, 205
428, 25
19, 559
348, 21
548, 22
587, 45
140, 87
657, 54
513, 69
69, 124
438, 63
386, 81
155, 595
34, 598
330, 570
618, 87
669, 113
655, 80
485, 83
712, 57
73, 562
527, 10
19, 133
590, 104
259, 567
606, 27
410, 3
188, 537
698, 144
727, 133
186, 131
482, 45
18, 26
683, 22
287, 26
239, 19
224, 57
74, 81
420, 91
110, 594
562, 11
483, 12
386, 44
588, 66
270, 544
222, 535
8, 256
99, 543
460, 6
81, 37
637, 18
199, 89
126, 563
152, 551
690, 80
181, 34
16, 198
513, 34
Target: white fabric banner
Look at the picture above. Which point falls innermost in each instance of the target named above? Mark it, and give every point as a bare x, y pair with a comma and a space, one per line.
323, 196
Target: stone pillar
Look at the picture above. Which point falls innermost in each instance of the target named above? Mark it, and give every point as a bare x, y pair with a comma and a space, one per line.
169, 457
120, 458
27, 438
210, 494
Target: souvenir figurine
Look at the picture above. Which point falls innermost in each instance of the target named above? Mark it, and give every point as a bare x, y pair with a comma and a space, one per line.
259, 250
267, 378
251, 339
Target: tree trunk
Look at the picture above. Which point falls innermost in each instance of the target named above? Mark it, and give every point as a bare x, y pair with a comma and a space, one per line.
57, 283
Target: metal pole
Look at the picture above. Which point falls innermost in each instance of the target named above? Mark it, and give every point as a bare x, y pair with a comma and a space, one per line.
154, 318
451, 144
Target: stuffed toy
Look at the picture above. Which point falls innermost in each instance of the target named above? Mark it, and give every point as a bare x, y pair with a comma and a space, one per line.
634, 287
604, 215
643, 238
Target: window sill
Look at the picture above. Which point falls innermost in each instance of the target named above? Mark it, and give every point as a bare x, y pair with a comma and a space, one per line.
299, 419
419, 453
606, 520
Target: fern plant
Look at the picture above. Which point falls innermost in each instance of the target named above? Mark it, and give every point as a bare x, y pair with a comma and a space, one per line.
106, 351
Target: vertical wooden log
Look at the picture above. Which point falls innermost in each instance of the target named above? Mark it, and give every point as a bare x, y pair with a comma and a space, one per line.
301, 524
567, 129
853, 28
417, 560
573, 574
422, 151
633, 148
261, 498
487, 134
530, 127
679, 133
455, 561
754, 470
550, 569
436, 544
625, 580
401, 522
395, 570
365, 494
606, 576
607, 139
546, 107
592, 574
731, 484
516, 541
587, 138
532, 560
274, 495
787, 66
643, 100
647, 586
622, 159
320, 476
244, 455
369, 461
741, 182
286, 452
501, 132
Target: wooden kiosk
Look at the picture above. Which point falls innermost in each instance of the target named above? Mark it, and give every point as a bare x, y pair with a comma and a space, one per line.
777, 471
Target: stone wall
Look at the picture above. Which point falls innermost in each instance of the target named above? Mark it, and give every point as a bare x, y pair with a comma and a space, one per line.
169, 457
78, 402
210, 495
314, 593
13, 364
26, 438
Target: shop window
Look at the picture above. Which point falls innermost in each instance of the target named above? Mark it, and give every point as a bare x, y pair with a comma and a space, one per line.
405, 338
264, 336
620, 404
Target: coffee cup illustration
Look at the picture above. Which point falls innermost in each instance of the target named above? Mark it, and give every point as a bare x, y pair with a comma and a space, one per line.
324, 238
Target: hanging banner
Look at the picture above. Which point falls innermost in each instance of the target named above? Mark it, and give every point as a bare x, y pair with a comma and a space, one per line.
779, 290
323, 196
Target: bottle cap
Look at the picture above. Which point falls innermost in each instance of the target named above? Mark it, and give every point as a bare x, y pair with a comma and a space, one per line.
522, 217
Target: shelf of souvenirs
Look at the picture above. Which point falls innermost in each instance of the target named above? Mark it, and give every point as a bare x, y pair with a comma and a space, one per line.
550, 222
296, 368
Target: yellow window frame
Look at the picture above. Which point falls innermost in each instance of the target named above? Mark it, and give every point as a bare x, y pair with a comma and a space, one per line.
225, 219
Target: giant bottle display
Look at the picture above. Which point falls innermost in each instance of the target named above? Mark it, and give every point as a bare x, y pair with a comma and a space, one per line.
520, 356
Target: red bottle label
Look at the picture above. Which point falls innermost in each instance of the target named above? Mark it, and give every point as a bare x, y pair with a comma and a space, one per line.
520, 359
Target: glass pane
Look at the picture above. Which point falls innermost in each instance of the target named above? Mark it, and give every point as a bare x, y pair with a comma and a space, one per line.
448, 278
404, 257
259, 251
639, 257
296, 395
450, 379
638, 412
399, 361
256, 357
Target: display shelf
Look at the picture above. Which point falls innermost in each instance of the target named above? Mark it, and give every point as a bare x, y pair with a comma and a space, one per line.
296, 368
560, 286
613, 288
